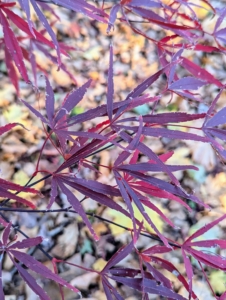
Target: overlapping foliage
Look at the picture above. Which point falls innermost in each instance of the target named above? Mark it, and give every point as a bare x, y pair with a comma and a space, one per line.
136, 182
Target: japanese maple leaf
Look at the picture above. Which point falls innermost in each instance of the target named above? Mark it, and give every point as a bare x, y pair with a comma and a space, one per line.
210, 126
212, 260
17, 257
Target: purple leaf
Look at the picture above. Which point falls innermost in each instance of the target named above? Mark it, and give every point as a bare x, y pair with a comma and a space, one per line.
220, 19
107, 289
145, 3
39, 268
97, 186
153, 207
209, 244
123, 252
11, 70
126, 198
220, 34
149, 153
204, 229
165, 118
25, 5
31, 282
157, 249
82, 6
173, 134
145, 167
187, 83
176, 56
83, 187
110, 288
2, 296
151, 286
165, 186
113, 16
199, 72
125, 272
189, 270
22, 25
213, 260
143, 212
54, 193
110, 92
218, 119
156, 192
5, 235
35, 112
132, 145
75, 203
220, 133
159, 276
144, 85
26, 243
72, 99
49, 101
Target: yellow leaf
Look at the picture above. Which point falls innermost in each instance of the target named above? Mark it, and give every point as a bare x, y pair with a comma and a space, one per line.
99, 264
218, 280
15, 113
123, 220
201, 12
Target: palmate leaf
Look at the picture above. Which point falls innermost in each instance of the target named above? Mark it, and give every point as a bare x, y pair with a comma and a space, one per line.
12, 251
127, 194
89, 188
16, 53
130, 277
149, 256
209, 259
13, 47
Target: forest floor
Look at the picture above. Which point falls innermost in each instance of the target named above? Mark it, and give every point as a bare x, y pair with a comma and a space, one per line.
66, 236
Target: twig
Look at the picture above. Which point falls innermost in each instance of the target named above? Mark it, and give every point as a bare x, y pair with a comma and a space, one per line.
21, 210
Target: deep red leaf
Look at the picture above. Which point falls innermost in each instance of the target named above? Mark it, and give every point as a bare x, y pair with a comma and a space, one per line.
7, 127
13, 47
39, 268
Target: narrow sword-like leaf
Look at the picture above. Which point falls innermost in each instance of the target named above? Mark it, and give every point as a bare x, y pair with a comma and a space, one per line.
187, 83
41, 269
13, 47
110, 91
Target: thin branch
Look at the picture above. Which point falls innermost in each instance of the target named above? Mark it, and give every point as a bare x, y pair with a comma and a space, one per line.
21, 210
